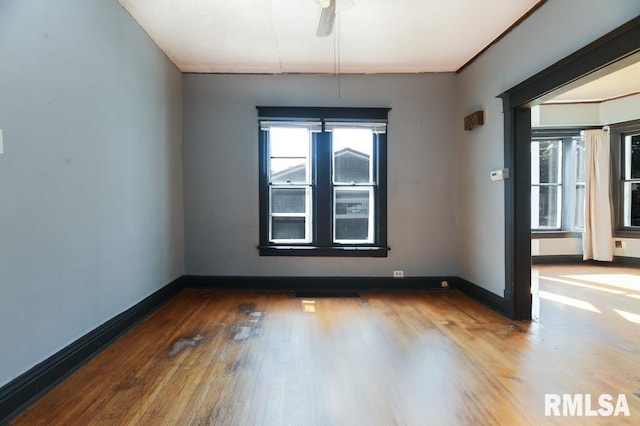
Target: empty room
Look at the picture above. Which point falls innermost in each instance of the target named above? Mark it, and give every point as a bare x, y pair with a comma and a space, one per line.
324, 212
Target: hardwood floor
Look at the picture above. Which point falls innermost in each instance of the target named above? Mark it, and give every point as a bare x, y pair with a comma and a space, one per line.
401, 358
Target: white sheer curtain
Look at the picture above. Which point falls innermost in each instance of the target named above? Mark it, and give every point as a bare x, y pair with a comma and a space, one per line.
597, 241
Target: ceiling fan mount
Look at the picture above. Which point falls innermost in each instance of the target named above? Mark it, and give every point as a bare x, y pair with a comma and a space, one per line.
328, 14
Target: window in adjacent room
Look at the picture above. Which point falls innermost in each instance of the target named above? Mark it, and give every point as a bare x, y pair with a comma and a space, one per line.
631, 180
546, 184
557, 180
323, 181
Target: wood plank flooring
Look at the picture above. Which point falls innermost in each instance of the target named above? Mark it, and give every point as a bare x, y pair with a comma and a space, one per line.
387, 358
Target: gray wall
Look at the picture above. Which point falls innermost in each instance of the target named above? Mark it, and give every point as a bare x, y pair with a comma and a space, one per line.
544, 38
221, 171
91, 203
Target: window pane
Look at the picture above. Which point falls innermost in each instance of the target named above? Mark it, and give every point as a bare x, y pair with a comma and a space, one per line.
288, 228
579, 206
353, 219
288, 170
289, 142
632, 157
288, 200
546, 162
631, 204
545, 207
352, 155
289, 154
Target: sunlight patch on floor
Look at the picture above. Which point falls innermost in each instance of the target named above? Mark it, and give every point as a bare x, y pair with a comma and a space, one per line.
577, 284
634, 318
570, 301
626, 281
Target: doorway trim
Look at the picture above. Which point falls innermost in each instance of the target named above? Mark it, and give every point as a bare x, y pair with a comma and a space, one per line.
618, 44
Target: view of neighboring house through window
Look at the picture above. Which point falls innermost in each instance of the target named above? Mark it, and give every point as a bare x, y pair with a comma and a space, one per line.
631, 180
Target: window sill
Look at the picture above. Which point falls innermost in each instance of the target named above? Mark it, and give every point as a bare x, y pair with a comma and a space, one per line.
337, 251
626, 233
540, 235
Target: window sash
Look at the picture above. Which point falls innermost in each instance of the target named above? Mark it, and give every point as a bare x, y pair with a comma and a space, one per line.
554, 168
284, 175
630, 201
306, 215
579, 180
353, 215
554, 201
548, 205
629, 156
361, 146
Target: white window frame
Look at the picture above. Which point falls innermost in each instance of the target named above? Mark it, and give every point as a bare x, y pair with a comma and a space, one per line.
535, 197
307, 185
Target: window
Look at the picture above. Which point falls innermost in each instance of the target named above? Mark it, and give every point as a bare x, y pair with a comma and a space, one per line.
631, 181
557, 180
290, 186
625, 154
323, 181
546, 184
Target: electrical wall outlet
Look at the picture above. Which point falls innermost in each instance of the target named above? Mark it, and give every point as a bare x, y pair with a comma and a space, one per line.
398, 274
444, 284
619, 244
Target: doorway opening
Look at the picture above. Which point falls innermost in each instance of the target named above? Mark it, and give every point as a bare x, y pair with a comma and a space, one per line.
601, 100
615, 49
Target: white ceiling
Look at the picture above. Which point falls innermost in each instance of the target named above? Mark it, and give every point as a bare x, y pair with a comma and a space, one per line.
279, 36
617, 83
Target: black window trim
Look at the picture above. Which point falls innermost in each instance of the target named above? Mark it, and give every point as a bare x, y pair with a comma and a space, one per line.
618, 131
323, 245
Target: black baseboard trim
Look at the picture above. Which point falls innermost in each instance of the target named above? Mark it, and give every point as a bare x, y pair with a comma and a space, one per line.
561, 259
626, 261
576, 259
17, 394
481, 295
345, 284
